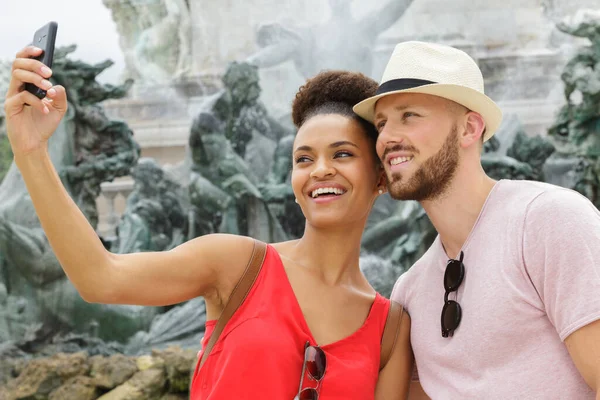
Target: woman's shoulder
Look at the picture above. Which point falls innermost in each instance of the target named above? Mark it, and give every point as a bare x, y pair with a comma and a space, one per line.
223, 245
227, 254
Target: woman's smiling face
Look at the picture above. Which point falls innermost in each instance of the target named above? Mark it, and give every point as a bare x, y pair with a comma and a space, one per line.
335, 174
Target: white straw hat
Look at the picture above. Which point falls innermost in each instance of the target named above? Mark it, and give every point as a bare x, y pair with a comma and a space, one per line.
439, 70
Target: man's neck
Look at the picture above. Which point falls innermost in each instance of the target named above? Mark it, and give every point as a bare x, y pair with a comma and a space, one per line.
455, 213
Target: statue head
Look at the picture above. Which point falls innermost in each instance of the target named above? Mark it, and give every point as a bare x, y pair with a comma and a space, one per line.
207, 141
241, 80
584, 23
282, 159
147, 174
152, 212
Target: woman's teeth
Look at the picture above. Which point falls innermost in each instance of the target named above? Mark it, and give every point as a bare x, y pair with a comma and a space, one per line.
328, 190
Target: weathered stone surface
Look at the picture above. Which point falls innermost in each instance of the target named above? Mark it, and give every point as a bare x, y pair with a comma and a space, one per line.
71, 365
123, 392
76, 388
10, 368
147, 362
151, 381
179, 364
111, 372
118, 377
42, 376
37, 381
144, 385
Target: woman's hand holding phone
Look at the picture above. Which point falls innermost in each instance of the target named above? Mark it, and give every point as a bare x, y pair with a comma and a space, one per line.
30, 121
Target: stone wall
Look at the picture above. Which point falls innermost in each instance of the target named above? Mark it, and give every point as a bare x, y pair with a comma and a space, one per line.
162, 375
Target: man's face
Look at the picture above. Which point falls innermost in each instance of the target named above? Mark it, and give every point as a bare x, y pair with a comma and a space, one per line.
418, 144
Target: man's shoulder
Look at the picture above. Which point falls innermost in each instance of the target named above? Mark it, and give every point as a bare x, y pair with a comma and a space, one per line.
523, 190
542, 213
523, 196
561, 204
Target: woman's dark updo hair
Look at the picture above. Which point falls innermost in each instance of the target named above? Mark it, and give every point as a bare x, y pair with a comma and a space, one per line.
334, 92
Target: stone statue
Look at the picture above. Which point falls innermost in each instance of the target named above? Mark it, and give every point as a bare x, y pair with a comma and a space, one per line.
213, 209
5, 71
237, 207
512, 154
342, 42
104, 148
246, 122
239, 106
86, 149
504, 167
277, 190
402, 237
155, 37
154, 218
576, 131
533, 151
182, 325
380, 272
5, 151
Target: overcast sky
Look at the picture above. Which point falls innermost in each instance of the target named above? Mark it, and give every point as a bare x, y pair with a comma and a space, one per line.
86, 23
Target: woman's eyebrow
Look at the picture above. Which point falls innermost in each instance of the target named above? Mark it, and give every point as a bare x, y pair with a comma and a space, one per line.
342, 143
332, 145
303, 148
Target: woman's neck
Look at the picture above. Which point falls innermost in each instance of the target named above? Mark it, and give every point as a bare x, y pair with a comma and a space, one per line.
332, 253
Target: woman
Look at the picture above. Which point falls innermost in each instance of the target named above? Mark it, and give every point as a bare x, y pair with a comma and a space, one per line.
309, 293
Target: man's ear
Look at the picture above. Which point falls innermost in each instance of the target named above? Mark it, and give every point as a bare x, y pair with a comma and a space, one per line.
474, 128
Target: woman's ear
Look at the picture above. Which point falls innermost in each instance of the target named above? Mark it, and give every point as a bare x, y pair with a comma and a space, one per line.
382, 180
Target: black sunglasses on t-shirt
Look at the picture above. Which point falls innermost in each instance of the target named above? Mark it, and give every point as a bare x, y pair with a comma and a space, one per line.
451, 312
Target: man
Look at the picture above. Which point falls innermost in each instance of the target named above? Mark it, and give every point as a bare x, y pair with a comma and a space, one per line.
506, 301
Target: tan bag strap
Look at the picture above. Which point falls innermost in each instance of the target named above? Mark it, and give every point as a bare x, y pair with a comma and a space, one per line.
390, 332
238, 295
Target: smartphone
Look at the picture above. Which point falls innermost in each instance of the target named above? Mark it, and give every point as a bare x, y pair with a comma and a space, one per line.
44, 38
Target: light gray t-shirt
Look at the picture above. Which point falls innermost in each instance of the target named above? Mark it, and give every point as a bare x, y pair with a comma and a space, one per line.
532, 278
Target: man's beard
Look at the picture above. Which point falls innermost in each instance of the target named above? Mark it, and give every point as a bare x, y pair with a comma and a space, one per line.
432, 178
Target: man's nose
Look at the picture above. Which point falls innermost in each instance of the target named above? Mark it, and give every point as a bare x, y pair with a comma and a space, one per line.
387, 138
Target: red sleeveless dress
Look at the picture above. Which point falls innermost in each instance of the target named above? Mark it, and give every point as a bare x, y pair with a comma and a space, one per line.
260, 352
